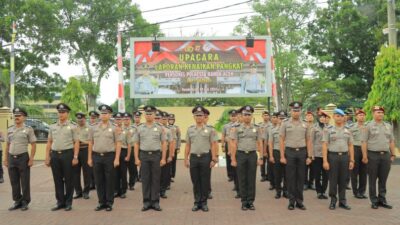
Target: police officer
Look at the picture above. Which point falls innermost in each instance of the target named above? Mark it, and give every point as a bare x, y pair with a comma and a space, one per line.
62, 152
378, 150
171, 122
225, 141
121, 172
295, 153
93, 120
2, 139
247, 139
338, 156
275, 155
266, 168
309, 176
18, 160
83, 135
199, 140
215, 149
104, 154
134, 174
359, 172
131, 167
165, 180
320, 174
150, 154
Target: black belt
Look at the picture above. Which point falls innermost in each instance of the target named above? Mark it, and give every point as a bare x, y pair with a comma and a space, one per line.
378, 152
124, 149
150, 152
246, 152
200, 155
296, 149
277, 150
103, 153
19, 155
338, 153
61, 151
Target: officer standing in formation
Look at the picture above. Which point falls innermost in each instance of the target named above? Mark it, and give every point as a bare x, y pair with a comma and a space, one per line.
224, 143
200, 138
150, 154
296, 154
2, 139
247, 139
320, 174
121, 173
215, 147
83, 135
378, 150
359, 172
266, 168
338, 157
165, 180
132, 168
275, 154
62, 152
93, 120
309, 175
18, 160
171, 124
104, 154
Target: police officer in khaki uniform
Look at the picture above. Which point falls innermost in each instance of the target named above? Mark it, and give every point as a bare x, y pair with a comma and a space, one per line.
171, 123
338, 156
224, 143
18, 160
93, 120
198, 157
275, 154
104, 154
320, 174
150, 154
378, 150
165, 180
121, 172
359, 172
83, 135
215, 147
132, 168
295, 153
247, 139
62, 152
309, 175
266, 169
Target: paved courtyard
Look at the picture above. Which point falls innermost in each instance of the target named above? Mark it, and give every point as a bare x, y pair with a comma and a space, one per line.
224, 208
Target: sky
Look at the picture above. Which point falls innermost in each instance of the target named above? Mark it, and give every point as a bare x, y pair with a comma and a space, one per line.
207, 27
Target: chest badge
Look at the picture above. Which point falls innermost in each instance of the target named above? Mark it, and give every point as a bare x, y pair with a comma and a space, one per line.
206, 131
109, 129
254, 130
155, 129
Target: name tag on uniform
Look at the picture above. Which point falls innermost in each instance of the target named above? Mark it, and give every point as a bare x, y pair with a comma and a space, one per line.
205, 131
254, 130
109, 129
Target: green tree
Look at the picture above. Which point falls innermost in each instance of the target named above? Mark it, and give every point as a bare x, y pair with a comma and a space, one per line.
385, 89
73, 96
288, 19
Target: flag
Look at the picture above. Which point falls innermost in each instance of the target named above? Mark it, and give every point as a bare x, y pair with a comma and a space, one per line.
121, 94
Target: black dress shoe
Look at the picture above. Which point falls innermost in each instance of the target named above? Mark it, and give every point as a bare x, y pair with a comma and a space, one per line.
57, 207
108, 208
374, 205
204, 208
322, 196
85, 196
271, 187
285, 194
15, 206
332, 206
300, 206
172, 180
385, 205
78, 196
244, 207
157, 207
291, 206
233, 189
237, 196
263, 179
348, 187
305, 187
24, 207
251, 206
145, 208
311, 186
230, 179
1, 180
210, 196
344, 206
68, 208
116, 195
122, 195
163, 195
195, 208
168, 187
362, 196
131, 188
278, 195
99, 208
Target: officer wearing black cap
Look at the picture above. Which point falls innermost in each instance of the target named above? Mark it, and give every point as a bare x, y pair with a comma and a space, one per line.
225, 142
247, 139
171, 123
104, 154
83, 135
18, 160
93, 120
121, 172
150, 154
199, 140
131, 167
166, 169
62, 152
275, 155
378, 150
295, 154
215, 147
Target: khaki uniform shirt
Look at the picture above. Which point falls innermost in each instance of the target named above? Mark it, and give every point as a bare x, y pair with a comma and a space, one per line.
274, 136
104, 138
150, 138
200, 139
19, 139
63, 136
338, 139
357, 131
378, 136
316, 135
247, 137
295, 134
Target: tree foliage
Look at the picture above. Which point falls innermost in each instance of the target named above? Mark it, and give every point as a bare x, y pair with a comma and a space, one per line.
73, 96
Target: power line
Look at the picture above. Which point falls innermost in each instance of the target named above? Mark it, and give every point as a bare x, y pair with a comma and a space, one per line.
198, 25
210, 17
174, 6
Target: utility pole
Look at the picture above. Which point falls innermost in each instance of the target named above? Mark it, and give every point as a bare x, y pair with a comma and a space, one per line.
392, 30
